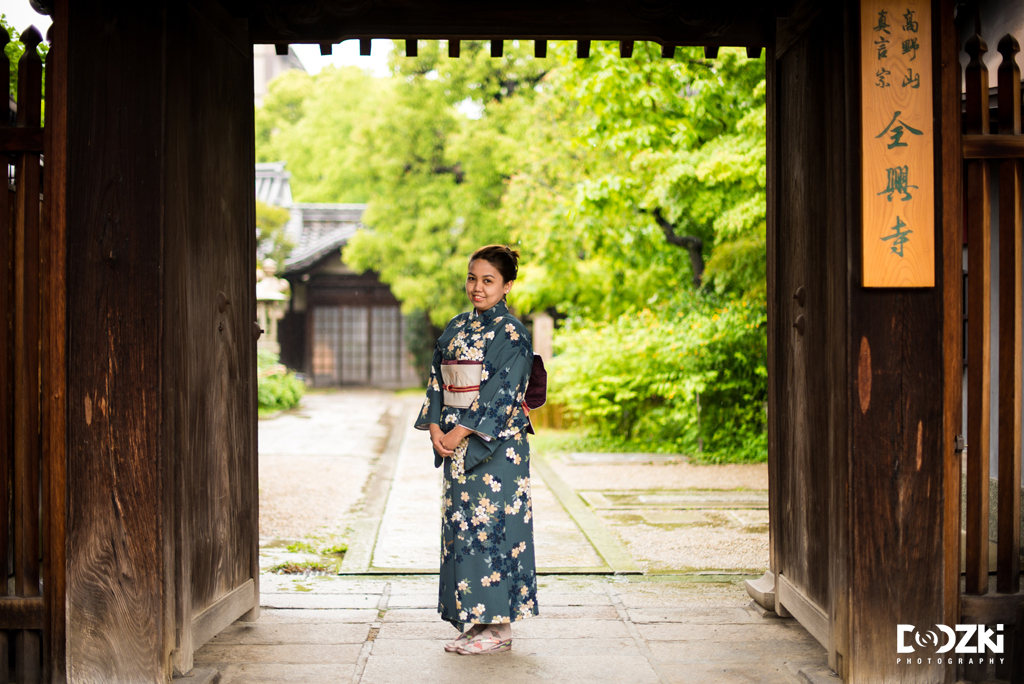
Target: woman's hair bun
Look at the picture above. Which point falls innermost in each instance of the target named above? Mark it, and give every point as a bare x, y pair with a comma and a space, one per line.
502, 257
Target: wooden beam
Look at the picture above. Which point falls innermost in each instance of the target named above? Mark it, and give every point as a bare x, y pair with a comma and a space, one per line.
625, 49
222, 613
711, 52
54, 366
993, 146
21, 613
1010, 279
13, 140
754, 52
979, 328
540, 49
806, 611
281, 49
412, 47
326, 49
453, 47
991, 609
582, 49
497, 47
365, 44
668, 51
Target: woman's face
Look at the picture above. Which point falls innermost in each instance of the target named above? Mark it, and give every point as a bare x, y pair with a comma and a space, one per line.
484, 285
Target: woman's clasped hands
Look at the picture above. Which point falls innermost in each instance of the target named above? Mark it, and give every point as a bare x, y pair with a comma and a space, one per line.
445, 444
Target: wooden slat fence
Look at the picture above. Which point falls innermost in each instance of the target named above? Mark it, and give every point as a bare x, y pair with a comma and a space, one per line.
994, 145
23, 472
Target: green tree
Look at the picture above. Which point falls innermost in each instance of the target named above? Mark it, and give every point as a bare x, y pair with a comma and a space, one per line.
316, 124
271, 240
440, 174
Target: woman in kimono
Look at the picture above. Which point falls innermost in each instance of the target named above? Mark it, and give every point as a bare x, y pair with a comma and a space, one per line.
475, 414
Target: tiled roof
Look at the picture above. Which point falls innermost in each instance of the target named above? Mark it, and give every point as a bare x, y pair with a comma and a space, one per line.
320, 228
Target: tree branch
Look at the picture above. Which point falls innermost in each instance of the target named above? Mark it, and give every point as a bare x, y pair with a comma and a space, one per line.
693, 244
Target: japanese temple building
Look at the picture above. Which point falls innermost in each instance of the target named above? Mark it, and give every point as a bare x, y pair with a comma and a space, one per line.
894, 131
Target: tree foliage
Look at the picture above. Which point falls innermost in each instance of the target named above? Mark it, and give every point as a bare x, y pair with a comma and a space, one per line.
635, 189
271, 239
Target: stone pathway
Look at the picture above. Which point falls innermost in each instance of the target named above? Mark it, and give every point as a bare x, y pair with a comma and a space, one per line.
699, 530
614, 630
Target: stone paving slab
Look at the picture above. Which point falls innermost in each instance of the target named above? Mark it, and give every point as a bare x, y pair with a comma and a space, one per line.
736, 651
293, 633
679, 632
299, 654
596, 646
310, 600
696, 615
275, 673
729, 673
292, 616
509, 668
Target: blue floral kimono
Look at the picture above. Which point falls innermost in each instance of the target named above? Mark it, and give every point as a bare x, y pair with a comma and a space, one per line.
488, 571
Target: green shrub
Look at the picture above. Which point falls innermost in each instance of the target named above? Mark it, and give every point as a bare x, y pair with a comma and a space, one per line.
277, 388
690, 377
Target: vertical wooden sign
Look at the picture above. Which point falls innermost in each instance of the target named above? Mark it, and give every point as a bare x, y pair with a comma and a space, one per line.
897, 131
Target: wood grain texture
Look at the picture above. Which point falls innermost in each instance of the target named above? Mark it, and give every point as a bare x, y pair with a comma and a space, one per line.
115, 565
897, 141
813, 618
993, 147
897, 455
1011, 278
807, 435
6, 372
28, 644
54, 366
949, 207
223, 612
20, 613
209, 305
21, 139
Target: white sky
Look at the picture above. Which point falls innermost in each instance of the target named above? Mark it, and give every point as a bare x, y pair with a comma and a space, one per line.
346, 54
21, 15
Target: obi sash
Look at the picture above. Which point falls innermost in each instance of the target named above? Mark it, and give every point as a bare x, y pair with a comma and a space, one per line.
461, 382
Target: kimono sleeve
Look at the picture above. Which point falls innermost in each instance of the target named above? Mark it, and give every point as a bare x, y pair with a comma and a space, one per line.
508, 365
431, 411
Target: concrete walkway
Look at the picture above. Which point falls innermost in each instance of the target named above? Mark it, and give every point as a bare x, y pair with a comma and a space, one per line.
601, 520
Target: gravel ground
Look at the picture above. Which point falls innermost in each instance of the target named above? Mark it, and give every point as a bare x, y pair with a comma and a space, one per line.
584, 476
315, 462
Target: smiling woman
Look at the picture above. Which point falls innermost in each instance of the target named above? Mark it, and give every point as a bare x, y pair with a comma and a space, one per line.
477, 421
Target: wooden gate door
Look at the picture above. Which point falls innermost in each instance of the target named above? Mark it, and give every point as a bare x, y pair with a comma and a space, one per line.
210, 403
808, 333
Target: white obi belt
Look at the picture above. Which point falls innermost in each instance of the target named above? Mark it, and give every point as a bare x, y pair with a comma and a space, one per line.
461, 382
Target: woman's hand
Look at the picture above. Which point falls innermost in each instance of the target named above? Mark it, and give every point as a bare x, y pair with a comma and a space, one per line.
452, 439
436, 438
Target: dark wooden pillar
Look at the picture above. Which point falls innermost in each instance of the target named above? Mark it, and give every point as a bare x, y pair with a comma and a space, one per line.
161, 388
866, 388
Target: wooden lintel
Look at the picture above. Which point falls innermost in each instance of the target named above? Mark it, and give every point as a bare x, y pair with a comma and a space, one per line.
281, 49
668, 51
21, 613
625, 49
994, 147
497, 47
711, 52
14, 140
754, 52
453, 47
540, 49
990, 609
582, 49
364, 47
412, 48
326, 49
